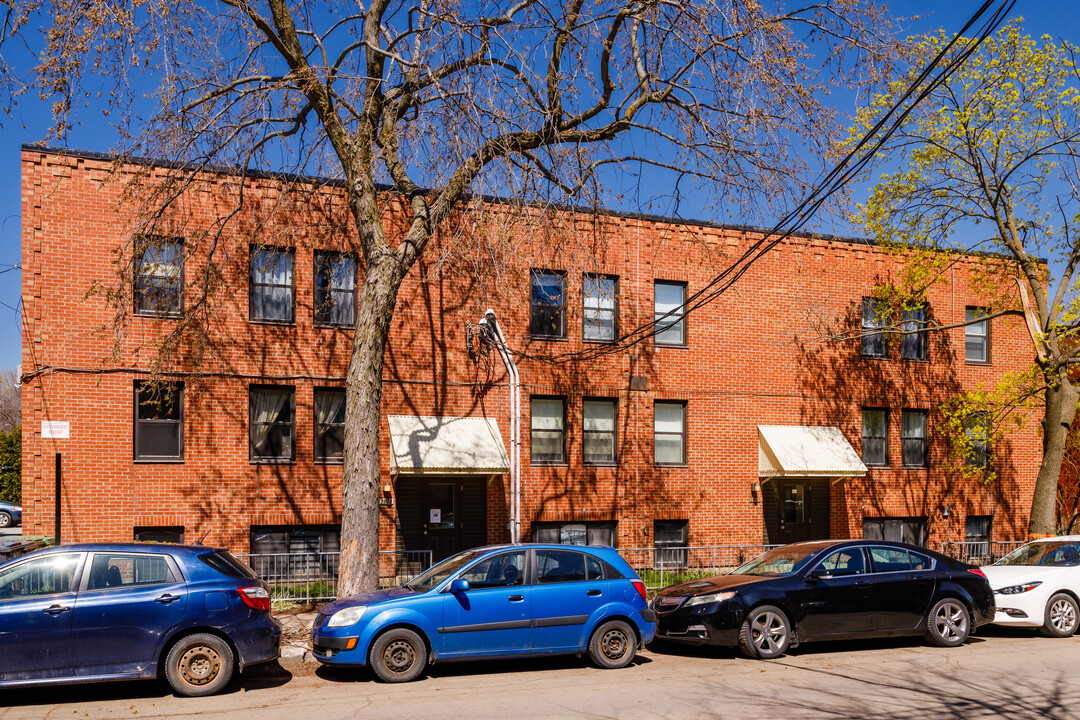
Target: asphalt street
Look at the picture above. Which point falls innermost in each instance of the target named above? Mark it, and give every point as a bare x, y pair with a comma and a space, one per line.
1003, 673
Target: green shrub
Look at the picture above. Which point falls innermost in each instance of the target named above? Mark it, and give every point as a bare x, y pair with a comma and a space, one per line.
11, 466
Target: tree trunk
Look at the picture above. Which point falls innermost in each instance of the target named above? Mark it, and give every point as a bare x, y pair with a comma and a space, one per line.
359, 566
1061, 399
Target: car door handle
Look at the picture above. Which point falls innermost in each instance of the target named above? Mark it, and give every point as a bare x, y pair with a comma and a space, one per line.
593, 593
167, 598
55, 609
517, 598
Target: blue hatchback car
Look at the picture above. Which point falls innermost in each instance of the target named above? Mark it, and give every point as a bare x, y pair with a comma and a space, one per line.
88, 613
489, 602
10, 514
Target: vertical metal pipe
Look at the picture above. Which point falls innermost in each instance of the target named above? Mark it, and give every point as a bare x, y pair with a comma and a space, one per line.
515, 425
59, 475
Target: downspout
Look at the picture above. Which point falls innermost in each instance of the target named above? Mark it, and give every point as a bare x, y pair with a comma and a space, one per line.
515, 423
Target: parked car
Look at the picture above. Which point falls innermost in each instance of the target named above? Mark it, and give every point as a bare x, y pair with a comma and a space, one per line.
10, 514
88, 613
828, 590
1037, 585
497, 601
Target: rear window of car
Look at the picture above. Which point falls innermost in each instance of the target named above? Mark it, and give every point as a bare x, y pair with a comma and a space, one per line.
227, 564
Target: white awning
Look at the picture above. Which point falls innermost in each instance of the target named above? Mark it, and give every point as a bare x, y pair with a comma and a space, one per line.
806, 451
446, 445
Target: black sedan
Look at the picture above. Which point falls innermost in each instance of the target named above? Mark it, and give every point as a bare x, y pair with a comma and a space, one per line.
827, 590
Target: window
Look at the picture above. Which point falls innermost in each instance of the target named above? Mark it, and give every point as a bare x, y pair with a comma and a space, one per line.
329, 424
669, 433
887, 559
559, 566
311, 549
874, 317
506, 569
40, 576
913, 347
976, 336
977, 537
598, 431
902, 529
670, 539
272, 285
914, 437
849, 561
574, 533
174, 534
548, 437
977, 430
335, 288
670, 313
126, 570
599, 313
875, 436
547, 304
159, 277
271, 413
159, 421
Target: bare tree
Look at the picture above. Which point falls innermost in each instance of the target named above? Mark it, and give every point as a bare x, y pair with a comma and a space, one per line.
10, 402
427, 104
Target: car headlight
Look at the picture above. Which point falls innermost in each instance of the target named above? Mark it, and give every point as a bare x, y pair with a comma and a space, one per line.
1017, 589
346, 617
711, 598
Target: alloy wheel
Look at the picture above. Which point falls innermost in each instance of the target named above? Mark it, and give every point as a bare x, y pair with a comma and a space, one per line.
951, 622
768, 632
1063, 615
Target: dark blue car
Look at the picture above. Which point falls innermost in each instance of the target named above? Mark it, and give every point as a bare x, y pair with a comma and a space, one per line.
493, 602
88, 613
10, 514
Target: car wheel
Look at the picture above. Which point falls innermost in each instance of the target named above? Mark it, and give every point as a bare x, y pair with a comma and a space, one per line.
5, 519
1062, 616
398, 656
613, 645
199, 664
948, 623
766, 633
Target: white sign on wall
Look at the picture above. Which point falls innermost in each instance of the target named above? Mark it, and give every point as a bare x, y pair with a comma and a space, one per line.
56, 430
435, 515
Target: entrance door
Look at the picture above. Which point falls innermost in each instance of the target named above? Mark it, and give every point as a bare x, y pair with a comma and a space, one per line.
801, 510
441, 521
442, 514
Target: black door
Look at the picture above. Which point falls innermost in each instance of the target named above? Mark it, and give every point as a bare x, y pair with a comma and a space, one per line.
442, 514
903, 586
837, 599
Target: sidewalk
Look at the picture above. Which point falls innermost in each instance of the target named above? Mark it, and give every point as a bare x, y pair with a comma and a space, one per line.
296, 640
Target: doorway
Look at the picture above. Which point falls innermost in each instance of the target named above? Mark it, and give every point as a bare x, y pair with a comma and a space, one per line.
796, 509
443, 514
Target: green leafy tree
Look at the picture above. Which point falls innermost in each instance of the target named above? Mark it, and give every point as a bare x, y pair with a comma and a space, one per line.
11, 466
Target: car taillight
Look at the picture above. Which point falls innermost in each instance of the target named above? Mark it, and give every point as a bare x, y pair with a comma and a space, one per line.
640, 587
977, 571
255, 597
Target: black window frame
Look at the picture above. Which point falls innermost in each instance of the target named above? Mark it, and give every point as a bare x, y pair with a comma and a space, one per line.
319, 444
562, 459
322, 287
253, 285
972, 315
978, 455
666, 319
869, 439
175, 285
173, 534
874, 317
685, 434
271, 459
537, 310
177, 388
670, 552
912, 529
906, 440
541, 527
586, 433
585, 308
914, 347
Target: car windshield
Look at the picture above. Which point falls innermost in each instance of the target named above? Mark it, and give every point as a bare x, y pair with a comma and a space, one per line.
1047, 554
782, 561
439, 572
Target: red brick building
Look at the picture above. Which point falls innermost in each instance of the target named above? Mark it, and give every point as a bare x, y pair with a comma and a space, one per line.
734, 424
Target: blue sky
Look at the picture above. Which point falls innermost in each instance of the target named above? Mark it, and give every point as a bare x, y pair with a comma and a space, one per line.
30, 121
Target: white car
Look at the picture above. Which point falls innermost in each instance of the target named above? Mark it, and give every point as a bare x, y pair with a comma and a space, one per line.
1037, 585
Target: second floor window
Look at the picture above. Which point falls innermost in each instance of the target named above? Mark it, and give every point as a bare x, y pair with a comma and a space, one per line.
670, 313
874, 318
913, 320
159, 421
273, 285
272, 413
599, 308
598, 430
669, 433
159, 277
548, 430
976, 336
977, 429
914, 437
547, 304
329, 424
875, 436
335, 288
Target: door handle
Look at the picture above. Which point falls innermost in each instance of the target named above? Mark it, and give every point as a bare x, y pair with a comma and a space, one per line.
167, 598
55, 609
517, 598
593, 593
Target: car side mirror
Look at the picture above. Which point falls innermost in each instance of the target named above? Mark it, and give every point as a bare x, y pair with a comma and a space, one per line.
820, 574
459, 585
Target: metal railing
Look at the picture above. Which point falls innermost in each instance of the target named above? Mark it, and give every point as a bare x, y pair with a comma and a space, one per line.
312, 577
979, 552
663, 566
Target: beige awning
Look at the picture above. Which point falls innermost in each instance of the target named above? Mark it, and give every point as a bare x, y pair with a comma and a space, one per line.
806, 451
446, 445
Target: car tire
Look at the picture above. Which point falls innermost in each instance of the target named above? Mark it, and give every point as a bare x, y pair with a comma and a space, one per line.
200, 664
766, 633
5, 519
399, 655
949, 623
1062, 616
613, 645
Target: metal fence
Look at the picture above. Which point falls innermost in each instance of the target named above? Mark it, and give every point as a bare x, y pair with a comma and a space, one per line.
979, 552
312, 577
663, 566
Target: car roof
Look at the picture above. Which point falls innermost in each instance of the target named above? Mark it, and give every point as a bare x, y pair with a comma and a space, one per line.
133, 547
